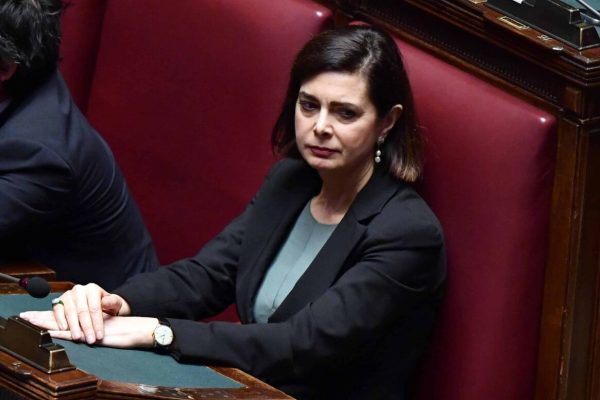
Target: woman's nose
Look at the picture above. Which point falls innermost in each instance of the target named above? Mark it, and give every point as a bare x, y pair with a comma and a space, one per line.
322, 125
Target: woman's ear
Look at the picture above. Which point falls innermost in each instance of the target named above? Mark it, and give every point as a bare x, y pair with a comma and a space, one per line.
391, 118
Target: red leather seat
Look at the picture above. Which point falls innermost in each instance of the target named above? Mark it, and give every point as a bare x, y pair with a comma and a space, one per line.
488, 176
186, 94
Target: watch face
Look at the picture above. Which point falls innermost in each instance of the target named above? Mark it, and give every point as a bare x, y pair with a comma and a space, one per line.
163, 335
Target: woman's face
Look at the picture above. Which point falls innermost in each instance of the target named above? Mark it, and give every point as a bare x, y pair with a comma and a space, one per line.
336, 123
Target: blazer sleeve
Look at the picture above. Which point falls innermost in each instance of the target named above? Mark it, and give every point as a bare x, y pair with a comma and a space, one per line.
377, 291
397, 268
35, 183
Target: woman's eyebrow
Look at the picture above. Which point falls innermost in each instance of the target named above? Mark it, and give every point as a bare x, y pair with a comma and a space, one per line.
306, 96
344, 104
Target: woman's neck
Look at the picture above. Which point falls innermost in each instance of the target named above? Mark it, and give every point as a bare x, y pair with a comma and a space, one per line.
337, 194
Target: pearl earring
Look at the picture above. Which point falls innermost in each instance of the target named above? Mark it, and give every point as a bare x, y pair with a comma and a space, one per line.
380, 140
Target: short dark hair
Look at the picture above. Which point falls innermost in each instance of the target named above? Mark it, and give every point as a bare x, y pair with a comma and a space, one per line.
30, 37
374, 54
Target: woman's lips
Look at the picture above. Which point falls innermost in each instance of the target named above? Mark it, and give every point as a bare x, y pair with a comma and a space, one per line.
322, 152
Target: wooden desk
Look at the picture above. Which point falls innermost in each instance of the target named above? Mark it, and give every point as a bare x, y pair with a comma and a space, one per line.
27, 382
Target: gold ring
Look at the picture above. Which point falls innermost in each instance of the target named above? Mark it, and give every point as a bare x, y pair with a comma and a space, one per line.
56, 302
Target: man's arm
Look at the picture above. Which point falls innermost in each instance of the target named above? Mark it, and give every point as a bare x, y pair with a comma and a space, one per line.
35, 184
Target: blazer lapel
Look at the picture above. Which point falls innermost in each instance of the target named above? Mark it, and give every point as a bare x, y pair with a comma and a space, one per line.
323, 270
274, 219
327, 265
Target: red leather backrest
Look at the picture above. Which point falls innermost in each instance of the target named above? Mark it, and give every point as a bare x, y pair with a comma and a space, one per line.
81, 27
488, 176
186, 93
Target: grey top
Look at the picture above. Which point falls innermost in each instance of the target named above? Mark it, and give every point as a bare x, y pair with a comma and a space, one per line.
304, 242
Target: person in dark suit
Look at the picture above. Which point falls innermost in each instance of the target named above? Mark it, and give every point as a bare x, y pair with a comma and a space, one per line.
63, 201
337, 265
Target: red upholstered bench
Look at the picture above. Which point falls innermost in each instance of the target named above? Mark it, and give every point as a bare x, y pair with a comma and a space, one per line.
488, 176
489, 172
186, 94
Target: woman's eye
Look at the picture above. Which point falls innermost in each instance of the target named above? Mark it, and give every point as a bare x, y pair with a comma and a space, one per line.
308, 106
347, 114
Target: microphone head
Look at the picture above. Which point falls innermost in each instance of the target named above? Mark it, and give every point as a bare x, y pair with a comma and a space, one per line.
37, 287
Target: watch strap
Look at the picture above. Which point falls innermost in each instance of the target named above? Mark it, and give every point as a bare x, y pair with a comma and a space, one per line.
164, 321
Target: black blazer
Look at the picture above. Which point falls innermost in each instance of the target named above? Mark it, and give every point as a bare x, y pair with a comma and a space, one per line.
63, 200
355, 323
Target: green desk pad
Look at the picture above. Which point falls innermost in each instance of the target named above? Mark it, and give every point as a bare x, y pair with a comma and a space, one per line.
576, 4
123, 365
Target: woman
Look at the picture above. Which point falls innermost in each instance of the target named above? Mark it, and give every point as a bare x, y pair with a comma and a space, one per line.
336, 266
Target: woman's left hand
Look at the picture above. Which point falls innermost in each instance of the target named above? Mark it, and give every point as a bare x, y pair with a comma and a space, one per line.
122, 332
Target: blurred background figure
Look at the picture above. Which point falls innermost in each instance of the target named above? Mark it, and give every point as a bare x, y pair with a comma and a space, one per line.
63, 201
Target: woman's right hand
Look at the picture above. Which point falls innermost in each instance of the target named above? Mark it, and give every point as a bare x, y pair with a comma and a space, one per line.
83, 310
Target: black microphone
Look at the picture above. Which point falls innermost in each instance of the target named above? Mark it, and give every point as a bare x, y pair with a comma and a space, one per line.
35, 286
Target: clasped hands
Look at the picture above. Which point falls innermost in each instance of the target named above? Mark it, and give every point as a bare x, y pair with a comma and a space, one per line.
91, 314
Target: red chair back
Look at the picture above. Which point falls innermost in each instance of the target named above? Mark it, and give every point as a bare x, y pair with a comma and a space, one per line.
488, 176
81, 28
186, 93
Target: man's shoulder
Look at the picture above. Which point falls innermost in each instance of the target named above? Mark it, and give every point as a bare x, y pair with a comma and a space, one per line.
48, 118
39, 115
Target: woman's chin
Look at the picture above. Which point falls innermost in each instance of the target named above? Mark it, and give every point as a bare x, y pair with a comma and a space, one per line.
322, 165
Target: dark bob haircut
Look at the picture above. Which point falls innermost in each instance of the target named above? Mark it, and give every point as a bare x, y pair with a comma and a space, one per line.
372, 53
30, 37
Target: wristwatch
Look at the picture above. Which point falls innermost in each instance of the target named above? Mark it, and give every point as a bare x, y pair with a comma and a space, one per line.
163, 335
